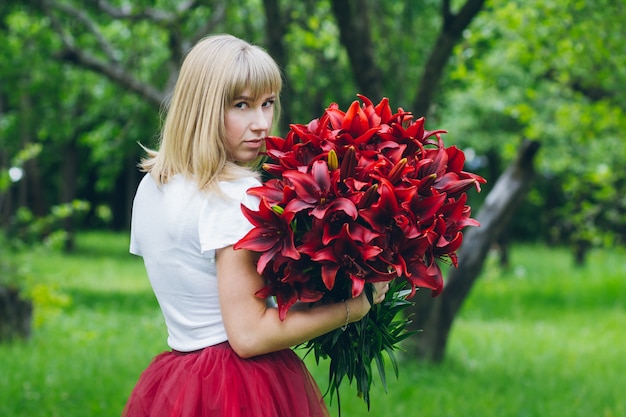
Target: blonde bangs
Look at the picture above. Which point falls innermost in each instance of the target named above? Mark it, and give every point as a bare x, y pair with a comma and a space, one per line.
256, 72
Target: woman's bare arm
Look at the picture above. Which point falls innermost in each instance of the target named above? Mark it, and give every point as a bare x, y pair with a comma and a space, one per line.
253, 328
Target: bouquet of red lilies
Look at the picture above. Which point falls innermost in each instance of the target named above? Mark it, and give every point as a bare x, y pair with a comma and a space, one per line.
357, 197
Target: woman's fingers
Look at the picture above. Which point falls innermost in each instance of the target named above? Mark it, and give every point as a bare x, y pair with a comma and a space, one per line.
380, 290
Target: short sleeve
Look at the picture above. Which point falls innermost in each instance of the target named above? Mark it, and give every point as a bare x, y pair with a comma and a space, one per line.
221, 221
147, 190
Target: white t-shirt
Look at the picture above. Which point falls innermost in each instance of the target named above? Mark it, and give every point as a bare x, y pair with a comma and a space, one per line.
176, 229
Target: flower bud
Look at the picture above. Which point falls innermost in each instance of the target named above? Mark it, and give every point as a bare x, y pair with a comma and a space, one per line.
395, 174
348, 163
278, 210
333, 161
369, 197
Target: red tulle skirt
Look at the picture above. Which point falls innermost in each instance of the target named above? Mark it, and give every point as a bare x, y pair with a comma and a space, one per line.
216, 382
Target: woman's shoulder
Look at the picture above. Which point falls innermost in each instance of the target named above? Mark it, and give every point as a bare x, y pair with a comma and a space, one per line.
222, 222
237, 188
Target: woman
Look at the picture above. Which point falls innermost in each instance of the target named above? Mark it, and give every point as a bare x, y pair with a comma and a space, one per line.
230, 351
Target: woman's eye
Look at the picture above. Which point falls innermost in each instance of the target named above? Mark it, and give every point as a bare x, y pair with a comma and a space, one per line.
268, 103
241, 105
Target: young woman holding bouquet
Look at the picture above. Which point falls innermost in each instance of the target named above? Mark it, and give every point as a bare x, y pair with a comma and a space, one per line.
230, 351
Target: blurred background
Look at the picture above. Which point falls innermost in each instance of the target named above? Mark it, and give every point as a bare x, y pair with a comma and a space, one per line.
533, 91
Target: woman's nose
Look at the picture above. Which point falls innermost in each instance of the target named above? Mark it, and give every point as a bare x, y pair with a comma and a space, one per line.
260, 121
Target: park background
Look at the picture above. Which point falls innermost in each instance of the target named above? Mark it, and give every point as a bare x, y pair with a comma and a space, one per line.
538, 321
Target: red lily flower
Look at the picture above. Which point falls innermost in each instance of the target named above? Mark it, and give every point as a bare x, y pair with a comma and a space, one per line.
427, 276
386, 211
275, 191
347, 252
270, 236
452, 185
358, 196
315, 192
286, 296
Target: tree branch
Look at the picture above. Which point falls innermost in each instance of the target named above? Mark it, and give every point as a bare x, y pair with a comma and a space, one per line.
506, 195
452, 29
83, 18
446, 12
111, 68
127, 12
466, 14
592, 92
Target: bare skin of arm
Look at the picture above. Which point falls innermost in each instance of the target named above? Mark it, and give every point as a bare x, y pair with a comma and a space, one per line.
254, 329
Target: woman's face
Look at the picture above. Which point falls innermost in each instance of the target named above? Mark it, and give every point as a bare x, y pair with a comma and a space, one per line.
247, 123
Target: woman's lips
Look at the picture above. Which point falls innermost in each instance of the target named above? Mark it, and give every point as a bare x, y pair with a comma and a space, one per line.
255, 142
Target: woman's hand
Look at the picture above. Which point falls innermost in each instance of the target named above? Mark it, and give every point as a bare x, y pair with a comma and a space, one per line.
380, 290
360, 305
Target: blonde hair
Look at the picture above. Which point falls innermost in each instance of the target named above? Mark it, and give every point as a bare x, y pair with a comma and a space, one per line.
192, 143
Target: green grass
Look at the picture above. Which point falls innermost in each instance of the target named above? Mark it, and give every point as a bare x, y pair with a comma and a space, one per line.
542, 339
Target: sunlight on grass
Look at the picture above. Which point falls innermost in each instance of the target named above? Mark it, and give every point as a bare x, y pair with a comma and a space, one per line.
540, 339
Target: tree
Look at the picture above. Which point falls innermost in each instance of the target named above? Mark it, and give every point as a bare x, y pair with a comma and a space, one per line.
16, 310
515, 79
353, 21
550, 70
353, 18
435, 316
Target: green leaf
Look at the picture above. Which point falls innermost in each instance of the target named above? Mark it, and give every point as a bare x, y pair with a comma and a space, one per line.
351, 352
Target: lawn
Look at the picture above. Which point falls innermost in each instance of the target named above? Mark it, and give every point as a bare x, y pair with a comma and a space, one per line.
539, 339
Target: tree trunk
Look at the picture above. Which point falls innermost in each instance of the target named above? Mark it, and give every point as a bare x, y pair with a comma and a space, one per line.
6, 201
31, 193
356, 36
69, 171
581, 248
15, 314
434, 316
275, 27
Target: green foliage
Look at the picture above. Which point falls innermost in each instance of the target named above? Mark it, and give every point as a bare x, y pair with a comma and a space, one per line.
17, 254
28, 230
541, 339
549, 71
11, 275
351, 351
318, 71
544, 70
